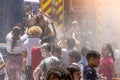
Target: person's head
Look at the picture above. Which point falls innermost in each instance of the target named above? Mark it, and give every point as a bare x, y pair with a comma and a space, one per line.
74, 24
93, 58
15, 35
53, 75
84, 50
40, 20
70, 43
34, 31
46, 50
58, 73
107, 50
74, 56
19, 24
16, 30
74, 71
50, 39
56, 51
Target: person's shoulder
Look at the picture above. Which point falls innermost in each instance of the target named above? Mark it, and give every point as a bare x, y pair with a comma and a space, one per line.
36, 48
35, 40
46, 60
24, 37
87, 68
89, 71
31, 38
9, 35
43, 62
65, 51
110, 60
26, 41
53, 60
53, 57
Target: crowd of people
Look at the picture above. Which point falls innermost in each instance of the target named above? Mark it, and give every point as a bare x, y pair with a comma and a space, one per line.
39, 55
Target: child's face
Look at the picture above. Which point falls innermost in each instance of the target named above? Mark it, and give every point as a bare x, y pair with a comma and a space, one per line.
45, 54
94, 61
71, 60
104, 51
97, 61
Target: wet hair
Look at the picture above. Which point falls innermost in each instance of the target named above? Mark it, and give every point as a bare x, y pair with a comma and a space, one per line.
54, 73
46, 46
109, 47
15, 35
72, 69
70, 43
60, 72
56, 49
75, 55
34, 30
92, 53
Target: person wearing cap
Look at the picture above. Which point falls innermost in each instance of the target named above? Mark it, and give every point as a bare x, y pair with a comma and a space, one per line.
34, 33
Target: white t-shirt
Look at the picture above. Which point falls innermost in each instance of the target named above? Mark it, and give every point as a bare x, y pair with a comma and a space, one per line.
28, 45
18, 47
24, 36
